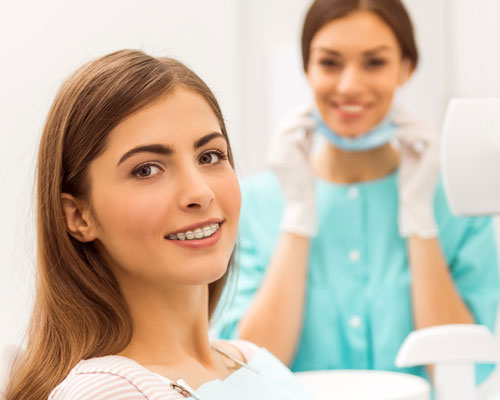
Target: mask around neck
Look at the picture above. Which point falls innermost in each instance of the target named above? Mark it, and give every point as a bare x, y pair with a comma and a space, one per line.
377, 137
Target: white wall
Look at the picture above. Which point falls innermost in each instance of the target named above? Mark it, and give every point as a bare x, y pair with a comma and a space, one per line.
474, 48
41, 43
426, 94
267, 27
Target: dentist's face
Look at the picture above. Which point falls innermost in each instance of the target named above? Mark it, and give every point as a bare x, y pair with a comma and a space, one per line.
354, 68
164, 196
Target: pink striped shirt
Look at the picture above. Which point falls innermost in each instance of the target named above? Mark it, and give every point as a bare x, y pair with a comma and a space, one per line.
120, 378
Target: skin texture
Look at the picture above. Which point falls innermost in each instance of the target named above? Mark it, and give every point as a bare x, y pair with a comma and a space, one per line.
346, 69
136, 201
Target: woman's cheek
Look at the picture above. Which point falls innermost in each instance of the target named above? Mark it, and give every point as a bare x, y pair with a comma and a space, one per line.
230, 198
136, 211
236, 196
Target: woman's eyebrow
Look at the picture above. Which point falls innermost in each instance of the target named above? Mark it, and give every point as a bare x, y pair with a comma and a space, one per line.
365, 53
207, 138
329, 51
150, 148
166, 149
377, 49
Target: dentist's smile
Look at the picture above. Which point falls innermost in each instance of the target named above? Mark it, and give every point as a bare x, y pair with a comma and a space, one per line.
348, 110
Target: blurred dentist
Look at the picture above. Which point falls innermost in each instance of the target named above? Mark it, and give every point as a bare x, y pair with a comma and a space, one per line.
347, 251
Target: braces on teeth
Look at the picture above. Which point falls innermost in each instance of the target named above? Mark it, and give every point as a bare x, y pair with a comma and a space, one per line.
198, 233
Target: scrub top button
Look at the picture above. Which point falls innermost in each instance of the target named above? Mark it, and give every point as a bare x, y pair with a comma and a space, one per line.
355, 321
354, 255
353, 192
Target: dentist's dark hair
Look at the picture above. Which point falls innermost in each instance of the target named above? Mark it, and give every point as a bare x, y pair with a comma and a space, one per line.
79, 309
392, 12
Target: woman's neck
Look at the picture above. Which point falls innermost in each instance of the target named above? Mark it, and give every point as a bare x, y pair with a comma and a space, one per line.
169, 325
339, 166
170, 334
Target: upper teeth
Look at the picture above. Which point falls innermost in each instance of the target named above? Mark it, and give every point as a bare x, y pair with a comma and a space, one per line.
351, 108
198, 233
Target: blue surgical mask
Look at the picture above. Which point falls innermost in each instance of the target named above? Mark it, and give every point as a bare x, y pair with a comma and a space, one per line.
378, 136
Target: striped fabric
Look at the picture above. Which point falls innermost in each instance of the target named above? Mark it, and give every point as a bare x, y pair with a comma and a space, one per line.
120, 378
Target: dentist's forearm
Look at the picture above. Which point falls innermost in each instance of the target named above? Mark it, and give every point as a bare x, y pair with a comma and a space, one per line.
274, 320
436, 300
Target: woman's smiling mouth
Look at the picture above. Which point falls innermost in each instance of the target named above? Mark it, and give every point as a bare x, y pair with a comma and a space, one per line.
197, 233
203, 234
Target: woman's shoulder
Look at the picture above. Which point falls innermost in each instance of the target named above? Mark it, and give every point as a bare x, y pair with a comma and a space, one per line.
112, 378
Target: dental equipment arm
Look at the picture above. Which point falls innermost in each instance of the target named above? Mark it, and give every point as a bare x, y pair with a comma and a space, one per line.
453, 349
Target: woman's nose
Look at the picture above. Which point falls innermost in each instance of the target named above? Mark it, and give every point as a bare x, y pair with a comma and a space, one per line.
349, 81
194, 190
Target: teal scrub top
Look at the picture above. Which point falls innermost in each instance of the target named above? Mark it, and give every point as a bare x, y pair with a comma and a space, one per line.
358, 304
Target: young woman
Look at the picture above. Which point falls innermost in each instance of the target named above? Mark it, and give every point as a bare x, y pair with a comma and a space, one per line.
346, 251
138, 208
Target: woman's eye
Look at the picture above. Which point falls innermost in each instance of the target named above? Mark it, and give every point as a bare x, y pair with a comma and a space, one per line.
328, 62
212, 157
146, 170
375, 63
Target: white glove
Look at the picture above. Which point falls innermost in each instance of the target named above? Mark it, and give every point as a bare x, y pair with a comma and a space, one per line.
288, 157
419, 175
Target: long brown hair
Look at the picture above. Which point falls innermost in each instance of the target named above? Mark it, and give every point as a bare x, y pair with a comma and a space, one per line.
79, 310
392, 12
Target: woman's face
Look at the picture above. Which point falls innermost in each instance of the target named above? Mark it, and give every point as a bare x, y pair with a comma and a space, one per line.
354, 68
165, 200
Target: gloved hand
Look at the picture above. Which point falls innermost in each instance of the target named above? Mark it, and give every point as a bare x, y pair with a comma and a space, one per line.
419, 175
288, 157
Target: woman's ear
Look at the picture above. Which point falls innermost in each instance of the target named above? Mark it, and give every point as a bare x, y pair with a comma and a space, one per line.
78, 218
406, 72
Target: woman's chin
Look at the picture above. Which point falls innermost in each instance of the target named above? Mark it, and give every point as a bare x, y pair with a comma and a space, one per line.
214, 274
349, 132
350, 129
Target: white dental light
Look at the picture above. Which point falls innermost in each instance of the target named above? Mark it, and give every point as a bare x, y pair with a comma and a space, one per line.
470, 155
